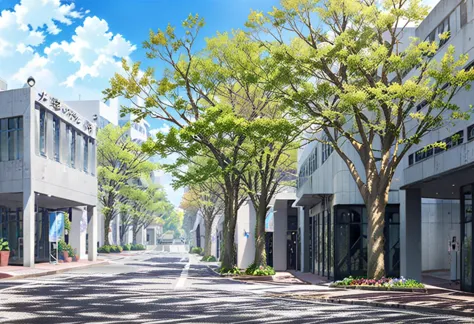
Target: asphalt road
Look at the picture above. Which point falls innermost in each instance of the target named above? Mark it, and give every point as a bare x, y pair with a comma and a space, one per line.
171, 288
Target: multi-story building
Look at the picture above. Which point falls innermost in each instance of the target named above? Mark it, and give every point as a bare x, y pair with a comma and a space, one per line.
429, 221
102, 115
47, 164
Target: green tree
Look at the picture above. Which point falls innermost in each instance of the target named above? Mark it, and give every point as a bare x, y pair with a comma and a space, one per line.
272, 150
119, 161
173, 222
147, 208
208, 199
344, 66
203, 103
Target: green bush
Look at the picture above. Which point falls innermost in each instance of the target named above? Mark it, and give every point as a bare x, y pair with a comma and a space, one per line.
104, 249
231, 271
137, 247
197, 250
253, 270
127, 247
209, 258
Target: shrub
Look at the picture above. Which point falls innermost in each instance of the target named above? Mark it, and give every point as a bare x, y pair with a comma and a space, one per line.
209, 258
253, 270
104, 249
197, 250
137, 247
127, 247
231, 271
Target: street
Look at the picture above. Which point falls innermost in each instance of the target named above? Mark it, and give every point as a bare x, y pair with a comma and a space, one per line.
154, 287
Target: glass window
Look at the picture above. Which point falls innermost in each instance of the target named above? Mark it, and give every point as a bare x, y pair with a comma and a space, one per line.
463, 13
93, 158
14, 138
86, 154
71, 140
56, 137
42, 135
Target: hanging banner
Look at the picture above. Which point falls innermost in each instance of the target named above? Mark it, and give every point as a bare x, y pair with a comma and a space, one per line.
56, 226
269, 222
84, 221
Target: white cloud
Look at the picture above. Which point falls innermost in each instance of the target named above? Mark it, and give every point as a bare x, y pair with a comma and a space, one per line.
164, 129
24, 26
94, 48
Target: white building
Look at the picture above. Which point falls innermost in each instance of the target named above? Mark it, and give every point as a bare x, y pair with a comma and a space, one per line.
430, 200
47, 163
281, 223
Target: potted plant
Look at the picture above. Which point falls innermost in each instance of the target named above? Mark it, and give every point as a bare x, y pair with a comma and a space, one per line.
63, 250
76, 256
4, 253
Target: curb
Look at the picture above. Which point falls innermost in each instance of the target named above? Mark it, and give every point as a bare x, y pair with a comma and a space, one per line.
423, 309
52, 272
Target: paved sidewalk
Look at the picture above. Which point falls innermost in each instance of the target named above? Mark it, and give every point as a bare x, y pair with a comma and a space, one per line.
436, 300
44, 269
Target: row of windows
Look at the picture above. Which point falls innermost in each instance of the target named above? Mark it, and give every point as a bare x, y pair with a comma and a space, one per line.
311, 163
76, 146
424, 103
11, 139
451, 141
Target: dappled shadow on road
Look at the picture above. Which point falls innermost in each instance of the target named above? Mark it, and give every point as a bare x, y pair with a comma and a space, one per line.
143, 296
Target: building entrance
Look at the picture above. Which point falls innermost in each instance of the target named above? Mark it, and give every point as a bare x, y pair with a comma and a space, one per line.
467, 228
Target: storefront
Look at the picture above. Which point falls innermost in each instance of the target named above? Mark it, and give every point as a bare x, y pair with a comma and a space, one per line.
338, 241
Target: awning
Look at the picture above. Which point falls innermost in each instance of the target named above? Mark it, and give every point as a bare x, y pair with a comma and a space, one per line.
310, 199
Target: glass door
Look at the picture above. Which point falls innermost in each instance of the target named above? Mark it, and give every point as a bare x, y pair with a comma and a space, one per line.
41, 236
466, 243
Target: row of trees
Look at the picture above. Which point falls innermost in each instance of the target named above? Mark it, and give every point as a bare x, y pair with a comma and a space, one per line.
125, 188
338, 67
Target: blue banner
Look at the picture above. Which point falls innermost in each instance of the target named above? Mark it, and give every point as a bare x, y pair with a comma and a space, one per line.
56, 226
269, 221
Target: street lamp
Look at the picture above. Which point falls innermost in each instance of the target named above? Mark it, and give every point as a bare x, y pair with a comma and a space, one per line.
31, 81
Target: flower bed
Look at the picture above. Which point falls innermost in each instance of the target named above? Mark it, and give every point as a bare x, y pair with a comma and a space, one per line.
380, 284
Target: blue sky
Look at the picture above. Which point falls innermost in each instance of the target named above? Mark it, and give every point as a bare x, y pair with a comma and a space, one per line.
73, 47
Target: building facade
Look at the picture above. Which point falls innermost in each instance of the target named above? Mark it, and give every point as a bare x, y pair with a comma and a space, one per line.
47, 163
429, 216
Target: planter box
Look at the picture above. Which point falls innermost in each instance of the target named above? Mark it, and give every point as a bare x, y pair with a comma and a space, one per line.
258, 278
378, 288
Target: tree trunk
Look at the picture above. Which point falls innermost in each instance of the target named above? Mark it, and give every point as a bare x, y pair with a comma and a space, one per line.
207, 239
107, 220
376, 240
260, 252
134, 233
227, 257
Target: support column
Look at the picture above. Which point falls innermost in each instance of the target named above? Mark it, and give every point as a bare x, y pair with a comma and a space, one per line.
77, 236
28, 227
29, 138
304, 238
410, 234
92, 232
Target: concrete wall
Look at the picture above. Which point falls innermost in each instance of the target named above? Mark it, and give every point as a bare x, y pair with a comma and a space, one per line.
246, 218
440, 221
279, 235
